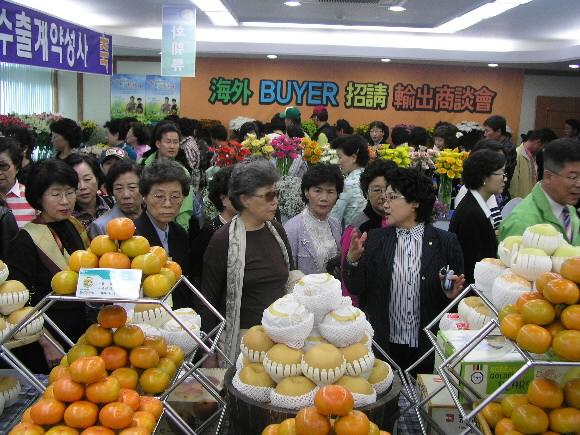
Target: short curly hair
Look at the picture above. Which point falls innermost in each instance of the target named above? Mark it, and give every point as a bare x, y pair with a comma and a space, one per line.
219, 186
351, 145
319, 174
123, 166
79, 158
415, 187
480, 165
247, 177
68, 129
44, 174
163, 171
378, 168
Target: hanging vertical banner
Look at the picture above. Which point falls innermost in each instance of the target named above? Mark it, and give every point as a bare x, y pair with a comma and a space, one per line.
128, 94
163, 96
30, 37
178, 44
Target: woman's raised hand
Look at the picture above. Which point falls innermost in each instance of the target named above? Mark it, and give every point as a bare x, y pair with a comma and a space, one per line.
356, 249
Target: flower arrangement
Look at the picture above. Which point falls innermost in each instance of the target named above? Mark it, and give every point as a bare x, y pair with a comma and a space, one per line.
309, 127
40, 125
88, 124
468, 126
11, 121
423, 158
450, 162
329, 155
258, 147
372, 153
286, 149
362, 129
229, 154
96, 149
290, 200
401, 155
236, 123
312, 151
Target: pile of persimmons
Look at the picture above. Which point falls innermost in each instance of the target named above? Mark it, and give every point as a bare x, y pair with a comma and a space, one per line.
121, 249
104, 384
548, 317
546, 409
332, 413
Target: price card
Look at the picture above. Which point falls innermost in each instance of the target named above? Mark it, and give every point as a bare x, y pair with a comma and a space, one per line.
109, 283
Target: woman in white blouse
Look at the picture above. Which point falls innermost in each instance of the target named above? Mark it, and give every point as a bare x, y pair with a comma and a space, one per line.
314, 236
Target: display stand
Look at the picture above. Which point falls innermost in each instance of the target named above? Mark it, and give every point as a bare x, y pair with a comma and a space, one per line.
468, 402
207, 345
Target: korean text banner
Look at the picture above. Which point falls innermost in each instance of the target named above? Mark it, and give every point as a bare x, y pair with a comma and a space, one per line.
178, 44
33, 38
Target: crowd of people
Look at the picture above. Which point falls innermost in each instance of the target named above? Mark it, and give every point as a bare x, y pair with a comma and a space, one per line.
367, 222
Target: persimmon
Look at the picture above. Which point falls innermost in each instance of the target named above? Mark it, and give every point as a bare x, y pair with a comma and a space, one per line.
121, 228
544, 278
156, 342
530, 419
310, 422
538, 312
510, 325
149, 263
525, 297
64, 282
571, 269
80, 350
61, 429
26, 418
492, 413
127, 377
534, 338
129, 397
102, 244
26, 428
82, 259
129, 336
87, 369
57, 373
81, 414
67, 390
570, 317
354, 423
97, 430
47, 411
112, 316
116, 415
161, 253
98, 336
114, 260
504, 426
154, 381
555, 327
545, 393
175, 354
510, 401
145, 420
49, 392
287, 427
152, 405
566, 344
115, 357
134, 431
136, 245
168, 366
174, 267
144, 357
561, 291
572, 393
565, 420
156, 286
104, 391
333, 400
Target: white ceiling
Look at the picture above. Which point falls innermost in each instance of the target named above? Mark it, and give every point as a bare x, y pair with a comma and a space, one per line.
539, 34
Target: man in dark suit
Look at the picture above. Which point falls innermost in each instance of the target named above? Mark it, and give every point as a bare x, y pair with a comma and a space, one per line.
164, 185
397, 270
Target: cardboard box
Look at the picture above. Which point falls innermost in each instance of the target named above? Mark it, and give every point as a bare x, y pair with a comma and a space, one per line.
441, 407
493, 361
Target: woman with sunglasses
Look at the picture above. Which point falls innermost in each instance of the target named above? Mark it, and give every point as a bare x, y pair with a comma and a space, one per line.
248, 261
396, 271
484, 175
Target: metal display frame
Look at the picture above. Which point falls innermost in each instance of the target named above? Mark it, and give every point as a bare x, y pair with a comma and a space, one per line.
457, 387
206, 343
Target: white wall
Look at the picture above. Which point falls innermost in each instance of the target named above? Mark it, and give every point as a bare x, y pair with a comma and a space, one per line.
544, 86
67, 94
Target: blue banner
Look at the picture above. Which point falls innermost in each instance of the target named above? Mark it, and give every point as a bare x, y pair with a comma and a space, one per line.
30, 37
178, 44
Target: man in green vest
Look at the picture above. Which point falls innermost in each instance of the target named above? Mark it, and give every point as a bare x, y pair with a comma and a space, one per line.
552, 200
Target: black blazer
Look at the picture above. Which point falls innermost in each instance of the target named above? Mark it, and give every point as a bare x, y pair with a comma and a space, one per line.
371, 278
178, 251
474, 232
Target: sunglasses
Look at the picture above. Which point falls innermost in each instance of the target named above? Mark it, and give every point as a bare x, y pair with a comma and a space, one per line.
269, 196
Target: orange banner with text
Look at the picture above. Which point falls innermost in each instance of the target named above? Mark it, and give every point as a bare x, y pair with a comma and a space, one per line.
356, 91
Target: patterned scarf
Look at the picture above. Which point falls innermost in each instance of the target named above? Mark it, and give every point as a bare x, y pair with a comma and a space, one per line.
235, 282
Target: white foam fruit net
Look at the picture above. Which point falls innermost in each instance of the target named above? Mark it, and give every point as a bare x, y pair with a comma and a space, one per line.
4, 272
385, 384
361, 400
293, 335
240, 362
452, 321
255, 356
361, 367
154, 317
293, 402
10, 396
175, 334
319, 293
323, 376
278, 371
33, 327
10, 302
259, 394
343, 334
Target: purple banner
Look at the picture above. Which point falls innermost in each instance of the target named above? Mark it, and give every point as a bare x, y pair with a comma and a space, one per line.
30, 37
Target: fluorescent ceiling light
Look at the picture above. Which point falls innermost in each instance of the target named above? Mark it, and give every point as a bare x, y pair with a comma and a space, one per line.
464, 21
216, 12
574, 66
385, 60
492, 65
292, 3
272, 56
397, 9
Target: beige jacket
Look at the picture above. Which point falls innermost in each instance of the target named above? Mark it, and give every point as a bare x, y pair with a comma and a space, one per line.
522, 182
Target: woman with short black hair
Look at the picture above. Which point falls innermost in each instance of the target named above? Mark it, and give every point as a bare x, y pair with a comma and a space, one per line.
42, 248
27, 141
353, 156
378, 133
138, 138
396, 270
484, 176
66, 136
314, 236
90, 202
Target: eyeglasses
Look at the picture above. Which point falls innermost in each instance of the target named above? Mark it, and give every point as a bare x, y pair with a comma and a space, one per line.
392, 197
378, 191
161, 199
500, 174
68, 195
269, 196
5, 167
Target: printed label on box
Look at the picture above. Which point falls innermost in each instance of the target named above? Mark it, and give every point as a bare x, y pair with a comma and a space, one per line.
109, 283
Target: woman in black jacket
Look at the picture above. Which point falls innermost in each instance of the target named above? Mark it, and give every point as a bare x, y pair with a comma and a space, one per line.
396, 271
8, 228
484, 175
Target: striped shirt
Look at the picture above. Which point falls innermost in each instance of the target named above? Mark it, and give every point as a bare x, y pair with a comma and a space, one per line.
22, 211
405, 285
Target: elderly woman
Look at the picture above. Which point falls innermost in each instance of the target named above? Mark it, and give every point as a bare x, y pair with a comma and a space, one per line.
165, 144
123, 182
66, 137
218, 195
314, 236
484, 175
42, 248
163, 186
90, 203
10, 189
398, 276
138, 138
353, 156
246, 265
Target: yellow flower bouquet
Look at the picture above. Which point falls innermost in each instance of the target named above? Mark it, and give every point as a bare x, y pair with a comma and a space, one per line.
401, 155
312, 151
260, 147
450, 162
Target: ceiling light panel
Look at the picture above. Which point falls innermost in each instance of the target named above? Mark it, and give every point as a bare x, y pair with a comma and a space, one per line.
216, 12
